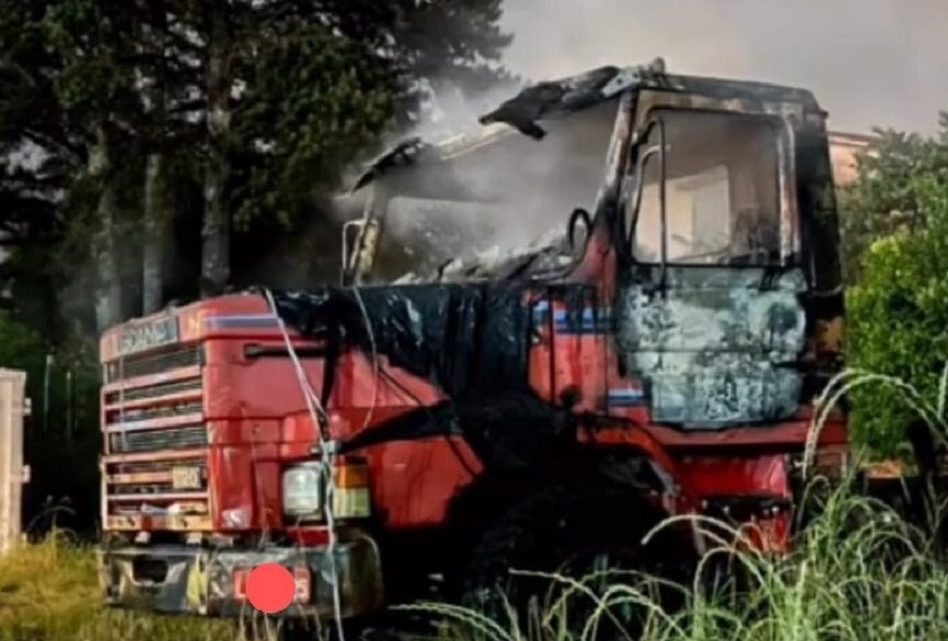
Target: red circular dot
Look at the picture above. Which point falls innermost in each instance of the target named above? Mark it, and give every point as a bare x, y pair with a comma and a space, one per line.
270, 588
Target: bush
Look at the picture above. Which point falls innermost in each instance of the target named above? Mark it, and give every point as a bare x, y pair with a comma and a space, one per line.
895, 236
889, 195
20, 346
898, 321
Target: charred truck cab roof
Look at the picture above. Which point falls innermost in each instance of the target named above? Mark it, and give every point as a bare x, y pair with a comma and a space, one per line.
675, 337
739, 170
602, 115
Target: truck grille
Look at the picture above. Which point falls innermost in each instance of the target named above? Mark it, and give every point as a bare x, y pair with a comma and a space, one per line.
155, 468
161, 389
148, 479
165, 439
153, 363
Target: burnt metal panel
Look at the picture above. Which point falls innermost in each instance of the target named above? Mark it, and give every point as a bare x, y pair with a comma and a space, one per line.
194, 580
472, 341
717, 346
469, 339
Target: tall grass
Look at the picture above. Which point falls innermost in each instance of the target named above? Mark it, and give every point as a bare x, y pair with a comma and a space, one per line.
858, 572
49, 592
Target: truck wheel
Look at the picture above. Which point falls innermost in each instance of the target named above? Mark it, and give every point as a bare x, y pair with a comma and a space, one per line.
579, 534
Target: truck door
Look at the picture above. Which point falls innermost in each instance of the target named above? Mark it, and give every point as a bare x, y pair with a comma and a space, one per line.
709, 311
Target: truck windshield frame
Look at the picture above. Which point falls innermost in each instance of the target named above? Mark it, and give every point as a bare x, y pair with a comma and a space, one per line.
706, 190
420, 235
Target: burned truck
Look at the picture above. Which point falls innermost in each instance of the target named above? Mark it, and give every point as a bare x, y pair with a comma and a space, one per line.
617, 302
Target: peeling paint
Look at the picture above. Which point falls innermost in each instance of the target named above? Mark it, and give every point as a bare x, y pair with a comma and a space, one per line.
202, 581
714, 346
197, 586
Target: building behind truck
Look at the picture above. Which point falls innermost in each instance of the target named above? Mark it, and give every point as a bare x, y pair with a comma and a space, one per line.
463, 404
845, 149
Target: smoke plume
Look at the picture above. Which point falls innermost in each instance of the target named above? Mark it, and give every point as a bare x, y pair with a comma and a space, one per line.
869, 62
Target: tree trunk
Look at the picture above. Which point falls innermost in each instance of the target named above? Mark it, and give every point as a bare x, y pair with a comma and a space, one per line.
158, 212
156, 219
215, 254
108, 294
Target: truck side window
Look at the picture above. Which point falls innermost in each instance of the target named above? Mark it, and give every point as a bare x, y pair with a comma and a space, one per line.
722, 196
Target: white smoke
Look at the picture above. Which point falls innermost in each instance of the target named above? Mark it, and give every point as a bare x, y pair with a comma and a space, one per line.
869, 62
452, 111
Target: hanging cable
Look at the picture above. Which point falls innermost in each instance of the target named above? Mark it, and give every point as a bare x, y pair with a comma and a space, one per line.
380, 372
462, 460
375, 359
328, 449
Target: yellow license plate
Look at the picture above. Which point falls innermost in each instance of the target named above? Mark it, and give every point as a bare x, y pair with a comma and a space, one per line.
186, 478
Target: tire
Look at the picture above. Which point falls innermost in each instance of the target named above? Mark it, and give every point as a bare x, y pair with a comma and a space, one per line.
559, 531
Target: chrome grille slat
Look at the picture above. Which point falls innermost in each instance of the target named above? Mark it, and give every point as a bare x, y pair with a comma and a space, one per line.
148, 414
152, 363
155, 466
156, 391
145, 489
171, 438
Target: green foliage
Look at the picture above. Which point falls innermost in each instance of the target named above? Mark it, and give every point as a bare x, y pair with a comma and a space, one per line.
857, 572
315, 100
311, 86
899, 327
897, 305
20, 346
28, 107
62, 383
50, 592
87, 42
887, 196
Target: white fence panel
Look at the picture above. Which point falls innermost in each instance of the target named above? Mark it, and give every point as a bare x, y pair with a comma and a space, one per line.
13, 473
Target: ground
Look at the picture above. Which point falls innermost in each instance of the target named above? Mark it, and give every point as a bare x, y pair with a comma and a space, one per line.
50, 592
858, 573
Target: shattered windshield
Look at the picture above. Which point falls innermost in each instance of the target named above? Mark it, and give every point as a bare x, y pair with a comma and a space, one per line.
722, 194
423, 235
477, 211
428, 238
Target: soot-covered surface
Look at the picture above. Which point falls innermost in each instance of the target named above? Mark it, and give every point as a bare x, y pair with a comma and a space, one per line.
719, 348
471, 340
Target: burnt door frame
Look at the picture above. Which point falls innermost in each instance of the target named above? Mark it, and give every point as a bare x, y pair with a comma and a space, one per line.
644, 120
652, 278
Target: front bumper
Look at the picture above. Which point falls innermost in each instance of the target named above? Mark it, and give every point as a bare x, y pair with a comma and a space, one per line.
180, 579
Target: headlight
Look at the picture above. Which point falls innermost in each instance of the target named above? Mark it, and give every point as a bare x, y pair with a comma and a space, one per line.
302, 491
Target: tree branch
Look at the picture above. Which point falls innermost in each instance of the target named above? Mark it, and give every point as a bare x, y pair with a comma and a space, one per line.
52, 146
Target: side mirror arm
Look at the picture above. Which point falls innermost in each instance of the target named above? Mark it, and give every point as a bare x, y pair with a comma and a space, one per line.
350, 240
662, 201
579, 214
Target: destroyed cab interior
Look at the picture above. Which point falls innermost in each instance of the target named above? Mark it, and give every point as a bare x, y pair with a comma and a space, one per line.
615, 302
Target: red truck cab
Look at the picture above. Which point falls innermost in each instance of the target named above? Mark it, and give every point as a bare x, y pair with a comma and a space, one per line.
660, 356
